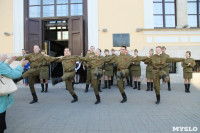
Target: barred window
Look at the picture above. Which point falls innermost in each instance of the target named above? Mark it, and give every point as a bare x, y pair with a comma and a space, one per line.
164, 13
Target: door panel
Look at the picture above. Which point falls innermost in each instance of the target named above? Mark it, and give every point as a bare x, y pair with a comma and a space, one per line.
33, 34
76, 35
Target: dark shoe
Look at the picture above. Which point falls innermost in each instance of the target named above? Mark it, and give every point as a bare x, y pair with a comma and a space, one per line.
34, 98
169, 86
56, 80
138, 85
158, 99
42, 85
148, 86
135, 83
98, 99
46, 89
17, 80
105, 84
124, 98
151, 86
75, 98
86, 88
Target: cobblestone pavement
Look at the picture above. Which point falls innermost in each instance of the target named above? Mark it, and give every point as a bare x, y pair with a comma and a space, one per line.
55, 114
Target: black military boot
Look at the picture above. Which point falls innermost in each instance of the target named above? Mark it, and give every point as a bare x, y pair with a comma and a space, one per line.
75, 98
111, 81
135, 83
169, 86
99, 84
86, 88
56, 80
46, 89
131, 83
124, 98
35, 99
148, 86
109, 84
158, 99
17, 80
105, 84
98, 99
188, 88
42, 85
151, 86
139, 85
127, 81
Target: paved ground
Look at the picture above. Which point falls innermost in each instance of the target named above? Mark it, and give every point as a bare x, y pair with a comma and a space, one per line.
55, 114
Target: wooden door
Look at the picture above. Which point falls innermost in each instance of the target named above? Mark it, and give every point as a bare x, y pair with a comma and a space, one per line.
76, 35
33, 34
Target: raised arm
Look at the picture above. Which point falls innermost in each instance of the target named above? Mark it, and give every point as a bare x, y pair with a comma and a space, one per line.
52, 59
19, 58
139, 58
171, 60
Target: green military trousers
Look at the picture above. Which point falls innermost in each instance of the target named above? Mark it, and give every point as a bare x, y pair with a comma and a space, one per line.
95, 79
68, 77
31, 74
88, 78
120, 81
157, 75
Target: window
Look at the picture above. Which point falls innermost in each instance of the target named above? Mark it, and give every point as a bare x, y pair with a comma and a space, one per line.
164, 13
55, 8
193, 13
197, 66
172, 68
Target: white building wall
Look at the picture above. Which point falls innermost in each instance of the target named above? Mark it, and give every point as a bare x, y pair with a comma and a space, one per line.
18, 25
93, 23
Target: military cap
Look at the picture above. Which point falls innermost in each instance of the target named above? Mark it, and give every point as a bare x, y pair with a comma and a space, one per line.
112, 49
135, 50
163, 47
188, 52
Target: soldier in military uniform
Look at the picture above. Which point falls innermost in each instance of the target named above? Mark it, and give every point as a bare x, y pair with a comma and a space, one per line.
158, 62
123, 62
108, 71
166, 67
114, 66
44, 74
88, 78
149, 74
36, 62
136, 71
96, 61
187, 65
69, 65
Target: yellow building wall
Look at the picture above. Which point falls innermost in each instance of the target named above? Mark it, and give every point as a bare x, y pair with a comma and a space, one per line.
6, 25
125, 16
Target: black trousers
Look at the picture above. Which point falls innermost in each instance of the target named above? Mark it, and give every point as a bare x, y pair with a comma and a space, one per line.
2, 122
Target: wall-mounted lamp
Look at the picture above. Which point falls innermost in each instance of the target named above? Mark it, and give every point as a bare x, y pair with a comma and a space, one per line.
8, 33
104, 29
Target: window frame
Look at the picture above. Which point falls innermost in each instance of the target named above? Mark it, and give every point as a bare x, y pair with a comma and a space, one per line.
172, 68
55, 9
197, 2
163, 2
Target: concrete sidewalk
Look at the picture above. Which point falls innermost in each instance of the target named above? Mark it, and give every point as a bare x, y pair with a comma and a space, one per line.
55, 114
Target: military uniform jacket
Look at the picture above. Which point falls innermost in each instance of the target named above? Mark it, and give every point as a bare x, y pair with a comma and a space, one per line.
108, 66
123, 61
185, 66
149, 67
158, 61
69, 63
167, 66
36, 59
88, 66
136, 66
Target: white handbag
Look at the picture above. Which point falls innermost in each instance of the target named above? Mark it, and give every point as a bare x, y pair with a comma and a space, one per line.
7, 86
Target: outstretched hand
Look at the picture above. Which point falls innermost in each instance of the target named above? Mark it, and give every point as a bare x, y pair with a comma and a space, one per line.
3, 57
11, 60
